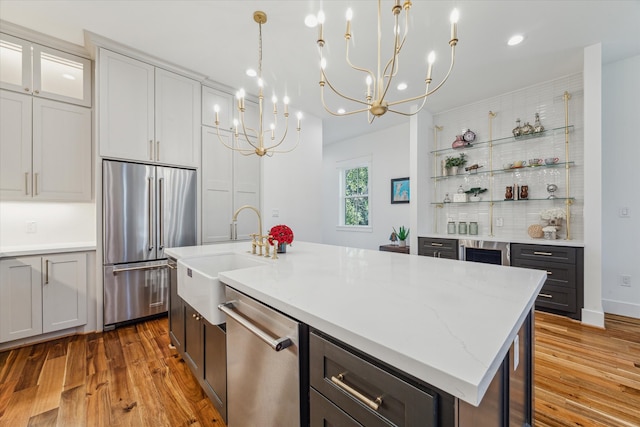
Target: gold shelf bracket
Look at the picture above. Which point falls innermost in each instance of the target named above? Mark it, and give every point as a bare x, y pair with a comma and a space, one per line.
492, 116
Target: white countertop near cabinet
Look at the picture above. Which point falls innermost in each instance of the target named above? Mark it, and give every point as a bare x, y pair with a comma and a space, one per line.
525, 240
50, 248
446, 322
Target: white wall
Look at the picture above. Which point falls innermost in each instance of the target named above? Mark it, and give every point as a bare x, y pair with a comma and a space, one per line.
389, 153
55, 223
620, 156
291, 185
545, 98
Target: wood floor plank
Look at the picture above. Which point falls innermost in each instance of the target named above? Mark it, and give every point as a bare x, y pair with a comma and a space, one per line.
14, 364
50, 385
76, 369
124, 401
45, 419
6, 391
33, 366
96, 356
19, 408
97, 401
73, 408
58, 348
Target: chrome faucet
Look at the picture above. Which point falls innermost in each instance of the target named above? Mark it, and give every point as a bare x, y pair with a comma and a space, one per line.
257, 240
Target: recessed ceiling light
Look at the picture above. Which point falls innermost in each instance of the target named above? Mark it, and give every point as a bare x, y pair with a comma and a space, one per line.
402, 86
514, 40
311, 21
251, 72
68, 76
341, 111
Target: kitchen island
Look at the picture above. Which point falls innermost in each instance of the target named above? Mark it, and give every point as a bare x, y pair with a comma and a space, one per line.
447, 324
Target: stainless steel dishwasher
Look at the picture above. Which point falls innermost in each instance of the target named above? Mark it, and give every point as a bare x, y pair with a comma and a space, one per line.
266, 365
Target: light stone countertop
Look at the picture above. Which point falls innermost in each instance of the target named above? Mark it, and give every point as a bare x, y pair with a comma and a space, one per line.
446, 322
50, 248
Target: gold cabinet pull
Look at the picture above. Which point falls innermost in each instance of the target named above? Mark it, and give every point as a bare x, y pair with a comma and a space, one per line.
46, 271
543, 253
436, 244
26, 183
373, 404
157, 150
546, 296
549, 273
35, 184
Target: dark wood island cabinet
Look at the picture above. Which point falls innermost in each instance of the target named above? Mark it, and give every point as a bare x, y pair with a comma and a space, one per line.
563, 291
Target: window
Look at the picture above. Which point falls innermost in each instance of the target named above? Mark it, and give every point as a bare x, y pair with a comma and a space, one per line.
354, 196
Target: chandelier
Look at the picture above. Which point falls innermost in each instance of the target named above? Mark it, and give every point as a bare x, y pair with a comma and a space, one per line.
251, 140
377, 85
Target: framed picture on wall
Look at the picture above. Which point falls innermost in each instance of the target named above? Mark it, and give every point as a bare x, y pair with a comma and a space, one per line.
400, 190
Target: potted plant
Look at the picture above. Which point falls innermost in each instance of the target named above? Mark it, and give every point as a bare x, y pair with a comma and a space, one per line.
454, 163
475, 193
402, 235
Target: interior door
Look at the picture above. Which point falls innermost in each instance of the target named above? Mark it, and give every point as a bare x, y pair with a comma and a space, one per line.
129, 213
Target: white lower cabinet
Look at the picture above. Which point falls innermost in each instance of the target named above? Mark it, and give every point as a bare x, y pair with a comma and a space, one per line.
41, 294
229, 181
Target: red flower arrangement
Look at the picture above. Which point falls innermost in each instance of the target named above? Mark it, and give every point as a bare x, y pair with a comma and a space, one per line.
281, 233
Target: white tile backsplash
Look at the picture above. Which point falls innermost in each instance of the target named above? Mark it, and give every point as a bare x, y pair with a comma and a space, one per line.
545, 99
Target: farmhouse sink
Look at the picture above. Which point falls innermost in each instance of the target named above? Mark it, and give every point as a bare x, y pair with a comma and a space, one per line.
199, 286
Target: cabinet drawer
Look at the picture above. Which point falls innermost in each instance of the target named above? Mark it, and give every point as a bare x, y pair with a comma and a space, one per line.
557, 298
440, 248
340, 375
324, 413
563, 254
557, 274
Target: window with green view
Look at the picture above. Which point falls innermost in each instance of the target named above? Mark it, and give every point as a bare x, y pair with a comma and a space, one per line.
356, 196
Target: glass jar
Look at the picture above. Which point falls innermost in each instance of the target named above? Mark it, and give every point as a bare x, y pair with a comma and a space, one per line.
462, 228
451, 227
473, 228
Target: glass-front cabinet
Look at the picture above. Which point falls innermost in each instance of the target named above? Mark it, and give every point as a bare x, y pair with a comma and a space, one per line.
42, 71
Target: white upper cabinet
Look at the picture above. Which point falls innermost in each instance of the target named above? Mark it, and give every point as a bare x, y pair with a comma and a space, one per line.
126, 107
15, 145
212, 97
44, 72
45, 149
61, 151
146, 113
229, 181
177, 116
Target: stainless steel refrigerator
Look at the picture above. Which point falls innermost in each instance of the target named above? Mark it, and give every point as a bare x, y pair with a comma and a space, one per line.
145, 209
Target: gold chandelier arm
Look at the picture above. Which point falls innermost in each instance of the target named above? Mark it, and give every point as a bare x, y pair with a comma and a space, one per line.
243, 151
340, 94
286, 130
356, 67
429, 92
333, 113
393, 61
404, 37
271, 152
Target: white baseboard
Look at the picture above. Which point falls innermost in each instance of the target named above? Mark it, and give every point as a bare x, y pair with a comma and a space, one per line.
621, 308
593, 318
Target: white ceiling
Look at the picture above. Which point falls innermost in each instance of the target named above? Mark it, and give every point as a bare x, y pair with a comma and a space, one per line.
220, 39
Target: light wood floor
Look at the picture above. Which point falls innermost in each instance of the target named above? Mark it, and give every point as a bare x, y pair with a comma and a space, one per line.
584, 376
